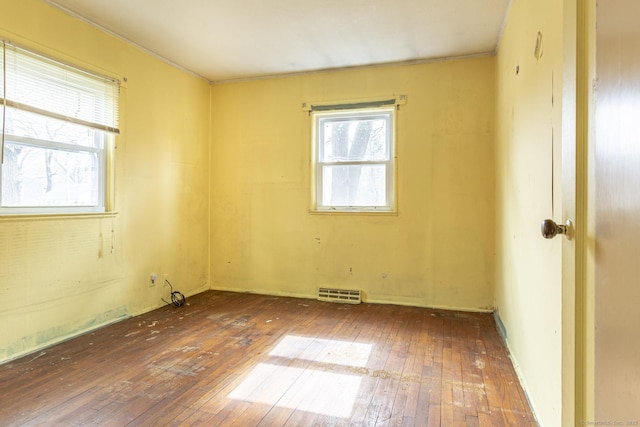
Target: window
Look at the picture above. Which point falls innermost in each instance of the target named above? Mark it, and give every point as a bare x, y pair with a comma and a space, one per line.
354, 160
57, 125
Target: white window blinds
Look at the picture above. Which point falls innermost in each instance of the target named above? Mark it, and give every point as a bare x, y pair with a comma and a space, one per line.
35, 83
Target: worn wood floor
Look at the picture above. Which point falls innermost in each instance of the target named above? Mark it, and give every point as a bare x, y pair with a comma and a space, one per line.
245, 360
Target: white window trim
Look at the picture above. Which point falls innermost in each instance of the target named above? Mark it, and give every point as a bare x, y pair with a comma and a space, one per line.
390, 163
107, 125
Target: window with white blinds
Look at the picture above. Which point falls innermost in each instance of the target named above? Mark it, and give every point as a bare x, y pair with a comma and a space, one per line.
57, 124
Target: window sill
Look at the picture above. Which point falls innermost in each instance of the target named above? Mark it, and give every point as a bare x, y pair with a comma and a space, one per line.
56, 216
352, 212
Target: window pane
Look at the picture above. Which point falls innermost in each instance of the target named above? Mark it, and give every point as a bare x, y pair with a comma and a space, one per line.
35, 176
354, 139
29, 125
354, 185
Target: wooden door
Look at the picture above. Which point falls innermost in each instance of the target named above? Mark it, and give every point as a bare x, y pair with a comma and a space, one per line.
616, 191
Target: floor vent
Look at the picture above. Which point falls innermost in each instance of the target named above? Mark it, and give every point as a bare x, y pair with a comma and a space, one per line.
350, 296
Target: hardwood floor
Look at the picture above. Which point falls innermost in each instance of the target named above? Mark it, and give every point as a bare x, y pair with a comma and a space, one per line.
245, 360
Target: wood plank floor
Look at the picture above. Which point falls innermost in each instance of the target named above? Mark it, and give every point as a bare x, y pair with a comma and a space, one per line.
251, 360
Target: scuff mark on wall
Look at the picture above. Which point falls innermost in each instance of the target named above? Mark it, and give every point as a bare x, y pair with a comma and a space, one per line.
56, 334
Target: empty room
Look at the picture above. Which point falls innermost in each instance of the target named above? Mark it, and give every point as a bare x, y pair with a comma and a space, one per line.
318, 213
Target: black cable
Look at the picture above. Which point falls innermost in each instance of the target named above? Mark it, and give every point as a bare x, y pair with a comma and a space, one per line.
177, 298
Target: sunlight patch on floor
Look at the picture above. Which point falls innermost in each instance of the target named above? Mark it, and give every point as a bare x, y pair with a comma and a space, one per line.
307, 389
323, 351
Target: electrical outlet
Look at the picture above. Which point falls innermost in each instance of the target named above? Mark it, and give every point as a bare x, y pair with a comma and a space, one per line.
153, 278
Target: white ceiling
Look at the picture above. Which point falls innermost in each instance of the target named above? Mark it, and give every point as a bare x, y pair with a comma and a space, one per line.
238, 39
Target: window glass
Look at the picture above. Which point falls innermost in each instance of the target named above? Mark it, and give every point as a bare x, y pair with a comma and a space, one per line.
58, 124
35, 176
359, 138
354, 166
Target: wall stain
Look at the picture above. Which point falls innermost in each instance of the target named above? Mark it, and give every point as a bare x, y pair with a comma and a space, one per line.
33, 343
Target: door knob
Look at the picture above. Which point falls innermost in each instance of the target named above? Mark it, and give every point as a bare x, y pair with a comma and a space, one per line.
550, 229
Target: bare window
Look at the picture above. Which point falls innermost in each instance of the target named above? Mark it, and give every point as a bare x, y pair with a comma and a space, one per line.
354, 152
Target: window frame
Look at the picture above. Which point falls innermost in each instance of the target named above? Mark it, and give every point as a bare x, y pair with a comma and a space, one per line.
318, 118
104, 123
103, 160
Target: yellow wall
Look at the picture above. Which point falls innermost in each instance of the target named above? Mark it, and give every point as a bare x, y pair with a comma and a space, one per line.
437, 251
60, 276
529, 150
212, 186
66, 275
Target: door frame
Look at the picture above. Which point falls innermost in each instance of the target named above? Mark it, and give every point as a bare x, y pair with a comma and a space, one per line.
584, 320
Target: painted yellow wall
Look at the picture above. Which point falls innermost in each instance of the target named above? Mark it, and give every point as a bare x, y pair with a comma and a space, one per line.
437, 251
212, 186
60, 276
529, 150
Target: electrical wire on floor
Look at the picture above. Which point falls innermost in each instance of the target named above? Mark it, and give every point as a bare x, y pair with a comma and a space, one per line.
177, 298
